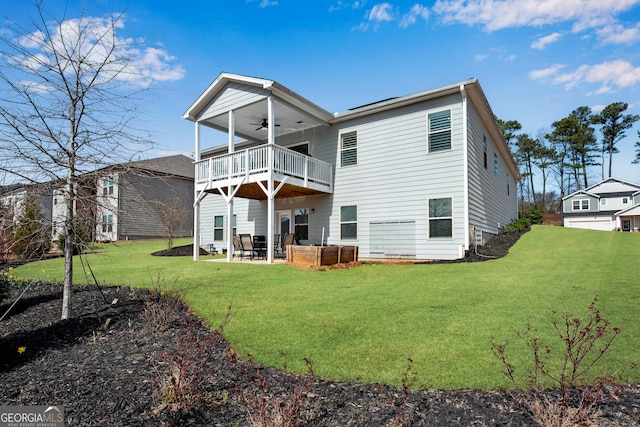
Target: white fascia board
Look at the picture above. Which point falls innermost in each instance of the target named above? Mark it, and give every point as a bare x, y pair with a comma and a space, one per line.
213, 89
585, 192
400, 102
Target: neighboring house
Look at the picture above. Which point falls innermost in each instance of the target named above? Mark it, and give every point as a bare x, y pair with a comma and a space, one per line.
136, 200
612, 204
12, 200
423, 176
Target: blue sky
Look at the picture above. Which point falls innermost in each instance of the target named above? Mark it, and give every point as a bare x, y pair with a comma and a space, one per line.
536, 60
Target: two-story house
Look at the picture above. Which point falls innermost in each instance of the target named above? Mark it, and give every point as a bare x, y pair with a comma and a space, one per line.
134, 200
423, 176
612, 204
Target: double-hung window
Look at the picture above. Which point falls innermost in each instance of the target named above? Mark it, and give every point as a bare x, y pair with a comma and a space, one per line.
495, 163
301, 222
349, 222
439, 125
218, 228
581, 205
107, 187
484, 146
349, 148
107, 223
440, 218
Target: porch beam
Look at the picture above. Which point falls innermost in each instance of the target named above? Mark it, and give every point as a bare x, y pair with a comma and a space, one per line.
230, 189
196, 208
270, 184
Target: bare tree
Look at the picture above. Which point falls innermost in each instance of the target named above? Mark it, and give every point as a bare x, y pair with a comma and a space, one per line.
171, 214
70, 91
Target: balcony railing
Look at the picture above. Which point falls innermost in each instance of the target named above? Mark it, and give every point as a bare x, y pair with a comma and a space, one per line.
256, 161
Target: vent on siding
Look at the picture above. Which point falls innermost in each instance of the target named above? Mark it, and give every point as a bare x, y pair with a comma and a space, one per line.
394, 239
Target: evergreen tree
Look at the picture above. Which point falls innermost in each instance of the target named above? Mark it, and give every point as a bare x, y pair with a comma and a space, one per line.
31, 238
614, 125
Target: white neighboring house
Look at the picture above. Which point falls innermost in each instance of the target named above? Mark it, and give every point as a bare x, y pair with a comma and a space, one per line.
128, 201
423, 176
612, 204
12, 199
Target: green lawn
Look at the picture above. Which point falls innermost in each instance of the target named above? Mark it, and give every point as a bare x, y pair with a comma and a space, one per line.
363, 323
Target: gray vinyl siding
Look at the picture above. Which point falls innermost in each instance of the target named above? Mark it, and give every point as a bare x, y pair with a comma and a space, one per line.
493, 200
234, 95
138, 197
567, 204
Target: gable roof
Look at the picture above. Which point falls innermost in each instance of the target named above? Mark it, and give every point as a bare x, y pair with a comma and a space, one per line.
178, 165
298, 113
585, 192
612, 179
633, 210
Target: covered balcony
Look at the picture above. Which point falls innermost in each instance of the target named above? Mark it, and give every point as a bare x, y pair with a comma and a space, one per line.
294, 174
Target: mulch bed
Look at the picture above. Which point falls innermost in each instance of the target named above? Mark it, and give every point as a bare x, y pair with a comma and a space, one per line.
112, 363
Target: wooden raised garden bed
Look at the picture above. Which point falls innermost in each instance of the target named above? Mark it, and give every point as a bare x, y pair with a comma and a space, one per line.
316, 256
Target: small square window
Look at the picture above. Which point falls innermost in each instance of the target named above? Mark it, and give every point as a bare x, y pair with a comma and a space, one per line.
625, 200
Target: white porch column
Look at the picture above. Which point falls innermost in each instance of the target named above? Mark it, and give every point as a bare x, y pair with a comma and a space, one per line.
231, 149
196, 207
270, 185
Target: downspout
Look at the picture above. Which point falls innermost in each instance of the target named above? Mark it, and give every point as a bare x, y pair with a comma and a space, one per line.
196, 207
465, 173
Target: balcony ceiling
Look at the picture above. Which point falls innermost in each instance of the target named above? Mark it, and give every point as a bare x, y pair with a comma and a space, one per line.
248, 120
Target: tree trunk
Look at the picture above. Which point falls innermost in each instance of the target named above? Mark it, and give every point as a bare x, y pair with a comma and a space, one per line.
68, 249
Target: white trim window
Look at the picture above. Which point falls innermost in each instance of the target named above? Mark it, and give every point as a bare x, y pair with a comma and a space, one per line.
349, 148
107, 223
495, 164
301, 224
440, 218
107, 187
349, 222
625, 200
218, 228
580, 205
484, 146
439, 131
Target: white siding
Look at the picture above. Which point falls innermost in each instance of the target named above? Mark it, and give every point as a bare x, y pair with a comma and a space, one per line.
493, 200
234, 95
395, 177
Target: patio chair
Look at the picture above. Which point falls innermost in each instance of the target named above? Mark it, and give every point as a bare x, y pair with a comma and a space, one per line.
260, 246
289, 239
246, 245
278, 249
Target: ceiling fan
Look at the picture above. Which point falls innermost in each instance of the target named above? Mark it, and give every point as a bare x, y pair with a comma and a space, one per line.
263, 126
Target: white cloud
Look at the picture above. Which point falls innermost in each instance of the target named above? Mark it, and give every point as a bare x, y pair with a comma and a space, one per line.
610, 75
498, 14
381, 12
542, 42
267, 3
94, 41
417, 11
545, 72
498, 53
340, 5
617, 34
